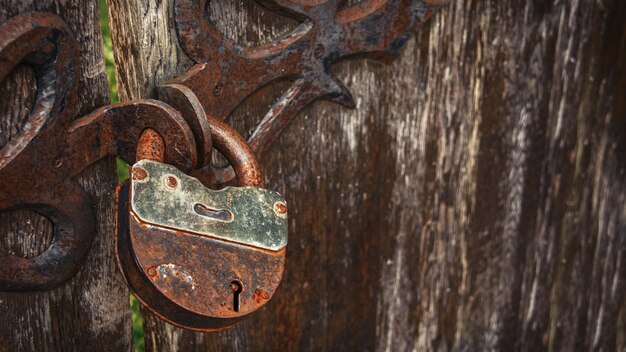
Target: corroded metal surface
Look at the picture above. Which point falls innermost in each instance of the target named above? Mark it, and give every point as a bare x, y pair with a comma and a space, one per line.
168, 198
44, 42
39, 165
185, 279
53, 149
227, 73
198, 258
150, 146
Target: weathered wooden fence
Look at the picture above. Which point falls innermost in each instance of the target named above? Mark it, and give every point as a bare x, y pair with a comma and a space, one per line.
474, 200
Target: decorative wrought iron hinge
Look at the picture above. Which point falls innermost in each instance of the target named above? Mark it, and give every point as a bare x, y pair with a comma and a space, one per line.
39, 165
226, 73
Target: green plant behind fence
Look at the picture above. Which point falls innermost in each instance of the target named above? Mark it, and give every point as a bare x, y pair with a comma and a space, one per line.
122, 168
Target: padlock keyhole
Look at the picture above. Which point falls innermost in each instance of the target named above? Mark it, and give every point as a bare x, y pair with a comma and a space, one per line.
237, 287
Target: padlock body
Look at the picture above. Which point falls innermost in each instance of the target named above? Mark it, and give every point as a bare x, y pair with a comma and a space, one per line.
189, 279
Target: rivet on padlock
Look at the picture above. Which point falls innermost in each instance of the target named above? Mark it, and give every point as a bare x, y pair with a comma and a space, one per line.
198, 258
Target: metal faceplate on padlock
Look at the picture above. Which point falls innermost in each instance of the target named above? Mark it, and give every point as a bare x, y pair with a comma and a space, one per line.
199, 258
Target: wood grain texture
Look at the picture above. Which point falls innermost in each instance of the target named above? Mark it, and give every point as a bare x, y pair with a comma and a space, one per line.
91, 311
474, 200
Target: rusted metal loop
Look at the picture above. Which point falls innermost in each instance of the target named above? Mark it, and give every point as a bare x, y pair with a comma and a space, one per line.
43, 41
115, 130
150, 146
234, 147
71, 212
186, 102
243, 164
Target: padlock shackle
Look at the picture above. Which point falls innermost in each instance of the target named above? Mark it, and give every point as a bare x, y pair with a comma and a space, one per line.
235, 148
151, 146
231, 144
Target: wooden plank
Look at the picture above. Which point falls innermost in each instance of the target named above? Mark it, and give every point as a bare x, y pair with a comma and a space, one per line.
91, 310
474, 200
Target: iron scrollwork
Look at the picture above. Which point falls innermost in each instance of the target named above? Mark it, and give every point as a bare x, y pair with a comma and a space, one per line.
38, 167
226, 73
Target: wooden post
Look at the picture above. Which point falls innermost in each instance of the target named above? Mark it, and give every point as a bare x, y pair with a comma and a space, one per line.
91, 311
474, 199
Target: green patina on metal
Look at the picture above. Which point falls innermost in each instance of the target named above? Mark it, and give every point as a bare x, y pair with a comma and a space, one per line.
166, 197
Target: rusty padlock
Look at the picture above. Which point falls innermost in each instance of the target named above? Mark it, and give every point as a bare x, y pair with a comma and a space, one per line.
201, 259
